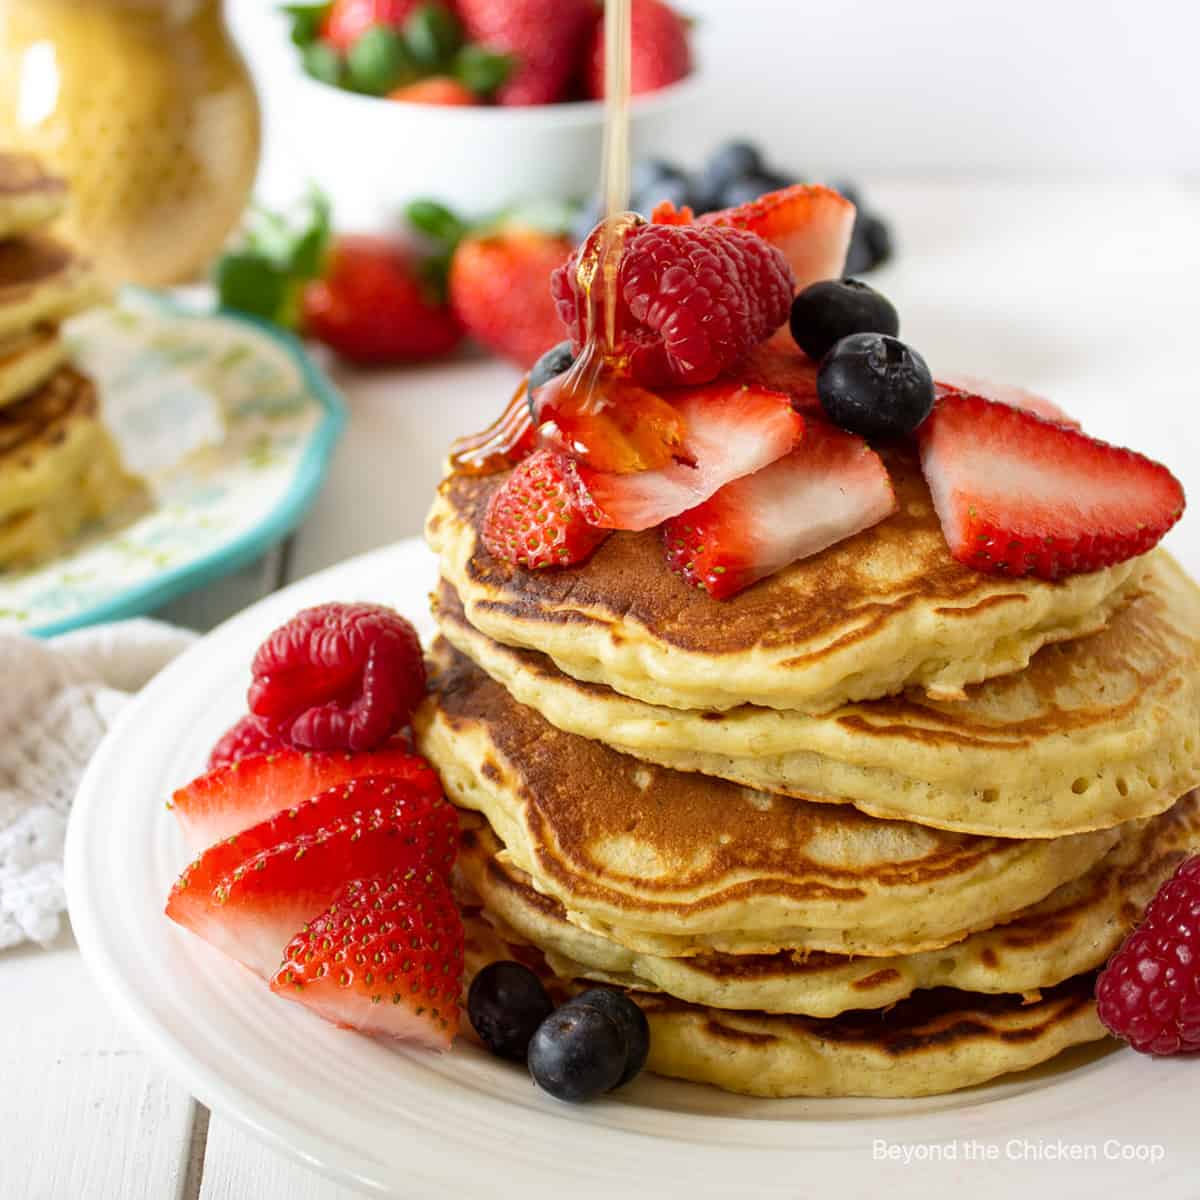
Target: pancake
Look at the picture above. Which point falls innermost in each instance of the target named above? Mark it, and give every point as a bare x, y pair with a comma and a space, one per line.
28, 360
1074, 930
678, 865
30, 196
1093, 733
42, 281
874, 614
59, 470
936, 1042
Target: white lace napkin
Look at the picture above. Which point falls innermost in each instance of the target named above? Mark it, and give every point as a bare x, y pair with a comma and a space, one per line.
57, 700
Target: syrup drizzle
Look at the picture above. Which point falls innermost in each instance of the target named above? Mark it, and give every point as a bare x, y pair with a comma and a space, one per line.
594, 410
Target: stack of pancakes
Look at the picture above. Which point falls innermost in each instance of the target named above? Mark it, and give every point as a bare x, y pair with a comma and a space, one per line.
59, 467
868, 828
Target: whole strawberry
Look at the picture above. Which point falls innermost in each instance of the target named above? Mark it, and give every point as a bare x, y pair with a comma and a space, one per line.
374, 305
659, 50
347, 20
539, 516
499, 288
692, 300
544, 37
1149, 994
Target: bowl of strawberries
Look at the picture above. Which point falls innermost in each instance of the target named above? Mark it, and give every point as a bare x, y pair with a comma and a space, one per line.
480, 102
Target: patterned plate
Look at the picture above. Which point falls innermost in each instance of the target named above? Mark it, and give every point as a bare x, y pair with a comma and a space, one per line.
231, 425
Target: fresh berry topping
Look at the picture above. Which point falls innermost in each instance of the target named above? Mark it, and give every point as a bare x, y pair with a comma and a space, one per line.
375, 304
810, 224
729, 162
782, 368
550, 365
692, 300
347, 20
577, 1053
385, 958
249, 894
832, 486
539, 516
500, 289
244, 739
731, 430
658, 49
826, 312
437, 89
234, 797
544, 38
339, 677
1018, 495
875, 386
1005, 393
506, 1004
1149, 994
629, 1019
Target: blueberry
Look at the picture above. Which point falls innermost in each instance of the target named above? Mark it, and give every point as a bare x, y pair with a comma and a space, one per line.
729, 162
878, 238
677, 190
826, 312
629, 1019
875, 386
506, 1004
848, 191
647, 172
553, 363
577, 1052
859, 258
747, 188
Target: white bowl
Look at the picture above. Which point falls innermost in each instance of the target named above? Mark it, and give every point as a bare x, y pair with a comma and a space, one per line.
372, 156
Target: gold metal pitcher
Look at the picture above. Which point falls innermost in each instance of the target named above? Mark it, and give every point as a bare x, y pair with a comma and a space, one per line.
147, 109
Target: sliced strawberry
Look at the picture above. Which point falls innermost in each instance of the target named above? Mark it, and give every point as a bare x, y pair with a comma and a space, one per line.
810, 224
731, 430
539, 516
1019, 495
249, 894
832, 486
232, 798
1005, 393
385, 958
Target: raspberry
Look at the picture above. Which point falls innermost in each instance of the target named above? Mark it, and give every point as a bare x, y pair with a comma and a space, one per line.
693, 300
1149, 994
538, 517
338, 677
243, 740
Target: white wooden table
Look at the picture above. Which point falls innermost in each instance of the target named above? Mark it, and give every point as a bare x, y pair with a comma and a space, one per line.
1086, 291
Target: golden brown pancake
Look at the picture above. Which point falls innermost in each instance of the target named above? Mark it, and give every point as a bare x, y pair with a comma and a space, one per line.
866, 618
937, 1041
1074, 930
30, 196
679, 865
41, 281
28, 359
1095, 732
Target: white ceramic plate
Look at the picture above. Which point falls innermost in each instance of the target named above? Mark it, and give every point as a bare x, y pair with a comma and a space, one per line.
409, 1123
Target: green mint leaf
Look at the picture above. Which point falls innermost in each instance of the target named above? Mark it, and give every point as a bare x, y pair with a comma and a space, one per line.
306, 20
305, 258
249, 283
436, 222
378, 62
482, 70
432, 35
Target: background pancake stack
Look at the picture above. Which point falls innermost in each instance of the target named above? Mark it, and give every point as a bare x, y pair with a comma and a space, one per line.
868, 828
59, 467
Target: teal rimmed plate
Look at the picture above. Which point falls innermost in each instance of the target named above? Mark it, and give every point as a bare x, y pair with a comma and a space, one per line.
231, 425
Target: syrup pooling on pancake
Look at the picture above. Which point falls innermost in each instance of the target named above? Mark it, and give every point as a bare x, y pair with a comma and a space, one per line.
1095, 732
681, 864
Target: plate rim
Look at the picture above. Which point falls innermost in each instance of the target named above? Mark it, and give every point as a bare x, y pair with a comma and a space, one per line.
252, 543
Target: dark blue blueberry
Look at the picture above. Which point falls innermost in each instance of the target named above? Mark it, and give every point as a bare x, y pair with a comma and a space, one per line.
676, 190
826, 312
747, 188
878, 238
506, 1004
875, 386
729, 162
629, 1019
650, 171
552, 364
859, 258
577, 1052
849, 191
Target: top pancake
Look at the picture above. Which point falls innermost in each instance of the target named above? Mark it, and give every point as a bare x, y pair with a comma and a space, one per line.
866, 618
30, 196
679, 865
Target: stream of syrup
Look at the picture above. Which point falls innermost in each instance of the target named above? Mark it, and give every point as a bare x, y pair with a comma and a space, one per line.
594, 410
